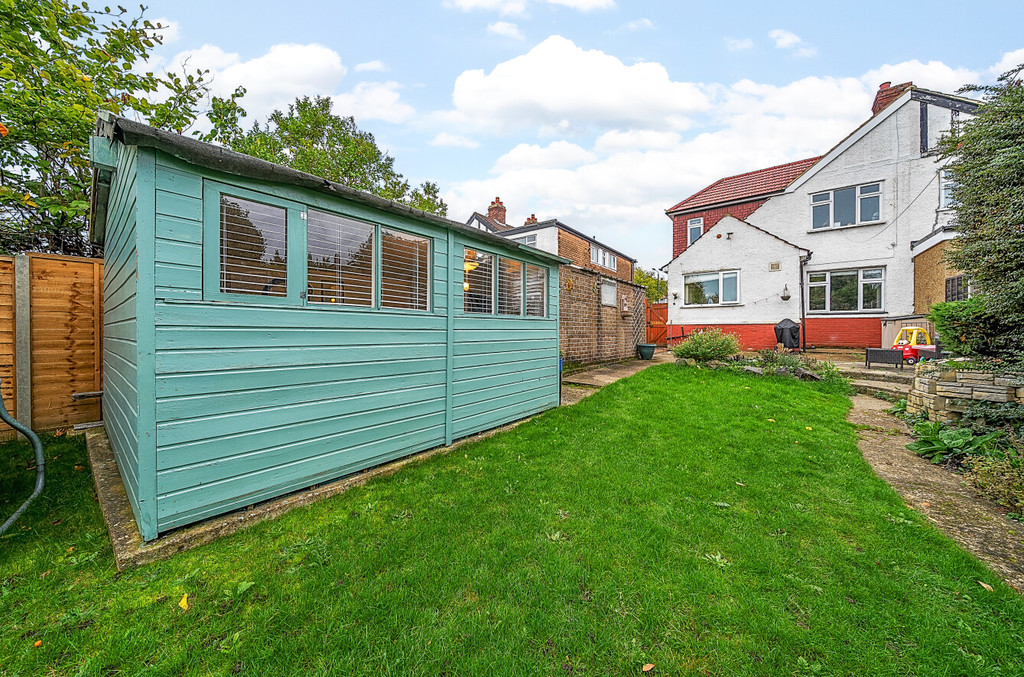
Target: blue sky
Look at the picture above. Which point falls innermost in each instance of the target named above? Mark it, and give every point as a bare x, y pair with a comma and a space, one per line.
601, 113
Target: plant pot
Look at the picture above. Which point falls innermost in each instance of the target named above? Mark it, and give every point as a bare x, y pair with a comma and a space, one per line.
645, 350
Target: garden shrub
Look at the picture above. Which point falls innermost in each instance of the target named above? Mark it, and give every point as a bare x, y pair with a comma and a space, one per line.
983, 417
709, 344
1001, 478
940, 443
968, 328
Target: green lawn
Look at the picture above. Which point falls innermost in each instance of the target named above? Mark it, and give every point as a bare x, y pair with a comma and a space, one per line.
666, 519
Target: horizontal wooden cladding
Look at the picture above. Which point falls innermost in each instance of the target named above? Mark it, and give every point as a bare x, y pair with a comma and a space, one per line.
472, 419
232, 315
205, 338
181, 361
192, 505
316, 440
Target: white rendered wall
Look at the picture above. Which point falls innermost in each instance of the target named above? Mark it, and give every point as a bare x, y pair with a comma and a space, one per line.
750, 251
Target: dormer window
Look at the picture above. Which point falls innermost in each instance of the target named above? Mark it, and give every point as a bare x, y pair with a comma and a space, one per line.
853, 206
603, 258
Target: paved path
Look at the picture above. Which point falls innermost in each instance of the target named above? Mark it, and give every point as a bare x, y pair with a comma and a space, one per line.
978, 525
580, 384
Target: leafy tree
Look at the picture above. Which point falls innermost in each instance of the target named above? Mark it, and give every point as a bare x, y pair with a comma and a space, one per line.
986, 159
59, 64
311, 138
657, 288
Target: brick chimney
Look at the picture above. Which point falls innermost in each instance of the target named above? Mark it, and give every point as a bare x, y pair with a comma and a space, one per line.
496, 211
531, 221
887, 94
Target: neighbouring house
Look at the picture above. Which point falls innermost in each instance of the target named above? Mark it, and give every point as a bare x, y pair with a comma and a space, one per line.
266, 330
601, 309
841, 243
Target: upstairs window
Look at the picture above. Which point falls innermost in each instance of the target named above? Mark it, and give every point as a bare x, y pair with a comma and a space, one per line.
536, 291
404, 270
694, 229
946, 187
528, 240
339, 260
603, 258
851, 206
253, 247
841, 291
478, 282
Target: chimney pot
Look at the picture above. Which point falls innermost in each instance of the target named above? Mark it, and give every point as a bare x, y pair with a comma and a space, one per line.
884, 85
496, 211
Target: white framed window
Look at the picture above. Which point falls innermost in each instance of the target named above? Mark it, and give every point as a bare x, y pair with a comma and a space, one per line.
609, 293
339, 259
694, 229
851, 206
528, 240
711, 289
603, 258
946, 186
846, 291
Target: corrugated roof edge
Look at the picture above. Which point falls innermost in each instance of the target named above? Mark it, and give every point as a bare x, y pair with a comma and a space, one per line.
217, 158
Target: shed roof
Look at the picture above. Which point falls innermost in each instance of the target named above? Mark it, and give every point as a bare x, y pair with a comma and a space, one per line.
750, 185
218, 158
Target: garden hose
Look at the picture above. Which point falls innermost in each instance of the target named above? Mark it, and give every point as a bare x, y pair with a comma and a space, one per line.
37, 446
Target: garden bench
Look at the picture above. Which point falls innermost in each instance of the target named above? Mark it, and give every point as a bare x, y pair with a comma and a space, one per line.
883, 356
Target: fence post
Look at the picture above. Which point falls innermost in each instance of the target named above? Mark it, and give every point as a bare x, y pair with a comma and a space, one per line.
22, 341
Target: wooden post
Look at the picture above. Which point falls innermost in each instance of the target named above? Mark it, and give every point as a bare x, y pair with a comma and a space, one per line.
22, 342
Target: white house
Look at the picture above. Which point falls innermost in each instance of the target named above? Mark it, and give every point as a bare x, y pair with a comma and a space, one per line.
835, 250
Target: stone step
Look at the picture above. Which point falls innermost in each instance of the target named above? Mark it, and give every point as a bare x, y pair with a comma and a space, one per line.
892, 375
870, 387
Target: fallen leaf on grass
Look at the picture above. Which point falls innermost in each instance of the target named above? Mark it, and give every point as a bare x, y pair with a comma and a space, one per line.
986, 586
184, 602
79, 468
807, 427
648, 667
38, 643
740, 484
57, 522
771, 420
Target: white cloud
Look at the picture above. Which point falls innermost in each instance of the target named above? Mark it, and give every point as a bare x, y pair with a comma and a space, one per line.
738, 44
932, 75
640, 24
272, 80
1009, 61
505, 30
169, 30
446, 139
792, 41
374, 101
559, 85
559, 154
635, 139
503, 7
371, 67
584, 5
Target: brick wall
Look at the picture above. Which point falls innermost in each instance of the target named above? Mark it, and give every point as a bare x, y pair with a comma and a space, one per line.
589, 331
751, 336
711, 217
576, 248
844, 332
930, 273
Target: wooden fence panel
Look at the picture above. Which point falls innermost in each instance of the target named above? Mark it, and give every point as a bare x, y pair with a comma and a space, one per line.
66, 338
657, 319
7, 341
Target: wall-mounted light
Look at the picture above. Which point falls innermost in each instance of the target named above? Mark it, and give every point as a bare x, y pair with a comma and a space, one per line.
675, 295
785, 293
465, 286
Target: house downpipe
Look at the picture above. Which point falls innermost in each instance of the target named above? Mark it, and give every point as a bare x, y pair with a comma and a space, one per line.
803, 305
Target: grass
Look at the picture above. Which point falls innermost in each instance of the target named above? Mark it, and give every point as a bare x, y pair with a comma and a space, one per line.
705, 522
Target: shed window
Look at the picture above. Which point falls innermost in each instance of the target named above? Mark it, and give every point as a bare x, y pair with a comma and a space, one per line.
536, 291
339, 260
404, 270
510, 287
478, 282
253, 247
609, 293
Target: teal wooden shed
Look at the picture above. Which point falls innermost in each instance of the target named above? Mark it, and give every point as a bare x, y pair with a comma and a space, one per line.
267, 330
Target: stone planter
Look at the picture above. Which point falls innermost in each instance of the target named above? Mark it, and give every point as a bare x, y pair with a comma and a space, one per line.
944, 394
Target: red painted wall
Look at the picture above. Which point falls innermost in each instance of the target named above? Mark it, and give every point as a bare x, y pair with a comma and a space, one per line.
846, 332
711, 217
853, 332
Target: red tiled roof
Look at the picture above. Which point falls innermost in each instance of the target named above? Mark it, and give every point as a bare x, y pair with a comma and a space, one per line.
751, 184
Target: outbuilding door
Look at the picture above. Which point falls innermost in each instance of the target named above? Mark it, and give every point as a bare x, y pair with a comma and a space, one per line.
657, 317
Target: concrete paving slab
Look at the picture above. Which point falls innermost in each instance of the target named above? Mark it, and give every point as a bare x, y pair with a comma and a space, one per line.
598, 377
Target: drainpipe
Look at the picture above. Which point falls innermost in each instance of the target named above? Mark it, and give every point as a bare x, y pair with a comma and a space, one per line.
803, 305
37, 446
